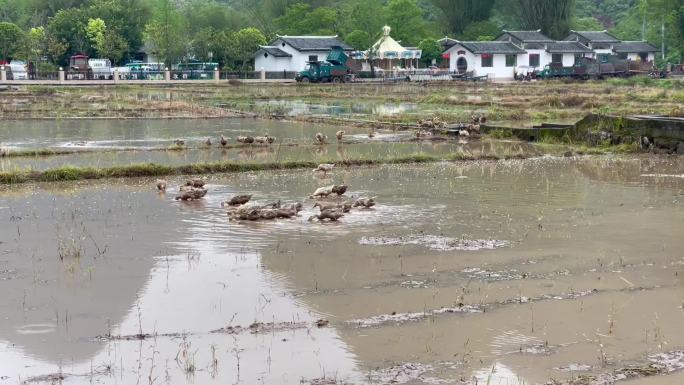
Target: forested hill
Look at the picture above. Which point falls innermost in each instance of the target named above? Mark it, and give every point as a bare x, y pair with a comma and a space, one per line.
229, 30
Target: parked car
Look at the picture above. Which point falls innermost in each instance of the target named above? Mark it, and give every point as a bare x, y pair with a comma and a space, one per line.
18, 70
102, 69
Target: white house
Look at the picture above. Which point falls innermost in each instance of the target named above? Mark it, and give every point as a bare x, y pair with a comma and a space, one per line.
635, 50
601, 42
542, 50
496, 59
292, 53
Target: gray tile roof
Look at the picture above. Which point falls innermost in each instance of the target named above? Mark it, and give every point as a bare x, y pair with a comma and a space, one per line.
493, 47
314, 43
528, 36
634, 47
567, 47
275, 51
596, 36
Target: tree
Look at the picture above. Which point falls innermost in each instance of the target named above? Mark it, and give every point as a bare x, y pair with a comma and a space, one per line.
359, 40
107, 43
301, 19
68, 27
432, 50
204, 44
244, 43
551, 16
406, 19
481, 30
166, 33
586, 24
11, 39
458, 14
35, 44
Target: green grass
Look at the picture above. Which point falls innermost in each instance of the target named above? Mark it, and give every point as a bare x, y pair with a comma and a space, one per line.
70, 173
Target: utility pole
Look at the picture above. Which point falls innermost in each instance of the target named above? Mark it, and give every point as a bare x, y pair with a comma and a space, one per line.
662, 37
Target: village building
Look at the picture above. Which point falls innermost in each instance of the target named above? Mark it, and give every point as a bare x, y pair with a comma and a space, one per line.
387, 54
495, 59
635, 50
542, 50
522, 51
292, 53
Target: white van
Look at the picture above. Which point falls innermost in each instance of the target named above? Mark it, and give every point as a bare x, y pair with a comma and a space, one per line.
102, 69
18, 70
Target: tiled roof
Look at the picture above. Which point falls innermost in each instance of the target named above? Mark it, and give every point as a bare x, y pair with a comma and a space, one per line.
634, 47
275, 51
529, 36
314, 43
597, 36
500, 47
567, 47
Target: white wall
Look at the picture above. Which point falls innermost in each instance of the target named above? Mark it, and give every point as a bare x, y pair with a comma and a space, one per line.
296, 63
635, 56
498, 71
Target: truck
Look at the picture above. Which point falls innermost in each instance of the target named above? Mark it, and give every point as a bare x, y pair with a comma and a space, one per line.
588, 68
79, 69
333, 70
101, 68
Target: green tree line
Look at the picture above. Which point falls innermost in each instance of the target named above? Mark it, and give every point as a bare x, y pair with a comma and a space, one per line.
230, 31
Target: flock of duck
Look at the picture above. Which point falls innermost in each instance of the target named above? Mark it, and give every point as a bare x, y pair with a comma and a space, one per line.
330, 200
425, 131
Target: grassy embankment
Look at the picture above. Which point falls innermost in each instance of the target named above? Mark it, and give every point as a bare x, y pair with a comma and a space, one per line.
70, 173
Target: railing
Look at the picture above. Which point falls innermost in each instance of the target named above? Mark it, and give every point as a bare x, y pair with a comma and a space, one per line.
192, 75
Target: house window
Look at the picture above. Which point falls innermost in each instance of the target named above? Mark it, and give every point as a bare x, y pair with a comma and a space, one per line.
511, 60
487, 60
604, 58
534, 60
313, 58
557, 58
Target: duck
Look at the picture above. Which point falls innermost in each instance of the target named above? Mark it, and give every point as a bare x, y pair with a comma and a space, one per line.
345, 207
270, 139
423, 134
208, 142
332, 215
339, 135
320, 138
197, 183
322, 192
190, 193
296, 207
223, 141
463, 133
325, 167
268, 214
271, 206
340, 189
245, 139
161, 185
179, 142
364, 202
238, 200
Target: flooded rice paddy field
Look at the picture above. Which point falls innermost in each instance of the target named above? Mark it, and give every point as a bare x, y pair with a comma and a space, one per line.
107, 143
509, 272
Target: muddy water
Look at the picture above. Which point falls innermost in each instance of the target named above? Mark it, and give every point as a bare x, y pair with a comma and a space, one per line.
513, 272
255, 154
106, 143
144, 133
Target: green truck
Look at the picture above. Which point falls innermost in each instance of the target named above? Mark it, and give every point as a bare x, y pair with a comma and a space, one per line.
333, 70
